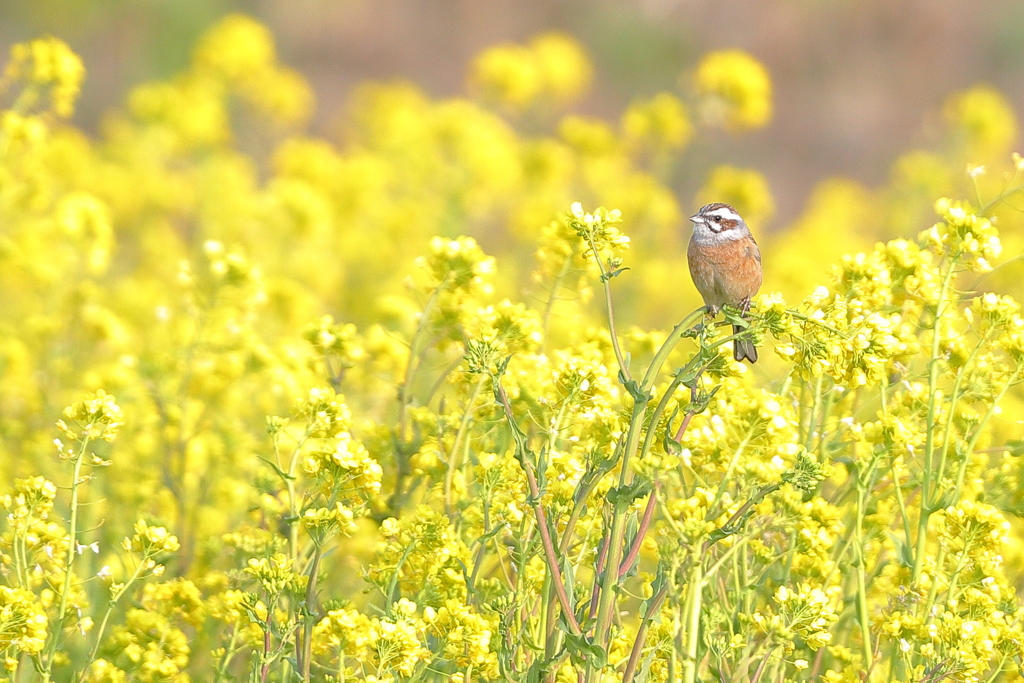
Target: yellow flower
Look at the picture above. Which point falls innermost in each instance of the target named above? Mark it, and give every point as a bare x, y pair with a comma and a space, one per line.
735, 90
281, 93
661, 122
507, 74
98, 417
149, 541
552, 66
236, 48
745, 189
563, 66
23, 622
47, 62
590, 137
982, 121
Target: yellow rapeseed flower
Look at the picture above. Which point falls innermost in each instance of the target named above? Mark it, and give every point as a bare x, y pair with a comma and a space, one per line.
562, 63
507, 74
735, 90
552, 67
237, 47
661, 122
47, 63
982, 121
744, 188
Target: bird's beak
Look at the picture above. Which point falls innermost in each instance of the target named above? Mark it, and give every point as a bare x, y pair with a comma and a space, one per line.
697, 218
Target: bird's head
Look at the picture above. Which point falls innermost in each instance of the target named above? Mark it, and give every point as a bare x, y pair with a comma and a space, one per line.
717, 223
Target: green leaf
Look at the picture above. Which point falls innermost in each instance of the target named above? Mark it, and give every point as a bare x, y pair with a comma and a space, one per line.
569, 577
615, 273
903, 552
668, 442
633, 387
622, 496
734, 316
584, 652
659, 581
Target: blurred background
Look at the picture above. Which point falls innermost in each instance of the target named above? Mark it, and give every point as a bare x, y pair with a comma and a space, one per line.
856, 82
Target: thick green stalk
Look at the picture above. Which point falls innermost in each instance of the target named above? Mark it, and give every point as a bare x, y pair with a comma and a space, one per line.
692, 616
615, 532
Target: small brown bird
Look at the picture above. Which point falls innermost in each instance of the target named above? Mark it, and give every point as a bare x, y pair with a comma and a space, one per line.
725, 265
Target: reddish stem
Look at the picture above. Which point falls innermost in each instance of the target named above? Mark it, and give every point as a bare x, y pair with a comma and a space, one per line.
645, 524
545, 534
641, 634
266, 652
549, 551
682, 427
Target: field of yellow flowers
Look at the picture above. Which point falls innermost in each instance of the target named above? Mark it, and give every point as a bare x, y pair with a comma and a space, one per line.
412, 407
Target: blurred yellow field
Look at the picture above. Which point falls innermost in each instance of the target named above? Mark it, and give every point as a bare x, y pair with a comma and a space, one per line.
437, 402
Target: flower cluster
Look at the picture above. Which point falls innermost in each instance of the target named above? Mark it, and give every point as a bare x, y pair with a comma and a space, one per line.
551, 67
806, 613
735, 90
965, 233
372, 424
41, 65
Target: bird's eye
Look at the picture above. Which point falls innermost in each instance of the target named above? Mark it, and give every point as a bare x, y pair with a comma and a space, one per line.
717, 219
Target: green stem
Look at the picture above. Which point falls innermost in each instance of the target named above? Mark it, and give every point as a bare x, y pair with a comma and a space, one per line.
973, 441
674, 337
610, 576
449, 476
609, 309
542, 523
405, 390
933, 380
229, 653
862, 589
1000, 197
951, 409
62, 610
812, 419
289, 482
613, 558
306, 651
692, 615
641, 634
114, 599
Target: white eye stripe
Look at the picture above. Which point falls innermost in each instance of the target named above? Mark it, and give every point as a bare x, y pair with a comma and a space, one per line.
724, 214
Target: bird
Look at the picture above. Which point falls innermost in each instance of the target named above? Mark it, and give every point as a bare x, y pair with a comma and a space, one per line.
725, 265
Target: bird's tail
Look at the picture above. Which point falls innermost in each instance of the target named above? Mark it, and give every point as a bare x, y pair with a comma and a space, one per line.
743, 348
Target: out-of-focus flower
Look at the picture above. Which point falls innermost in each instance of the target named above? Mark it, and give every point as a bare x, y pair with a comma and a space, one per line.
47, 63
735, 90
982, 121
745, 189
552, 66
661, 122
